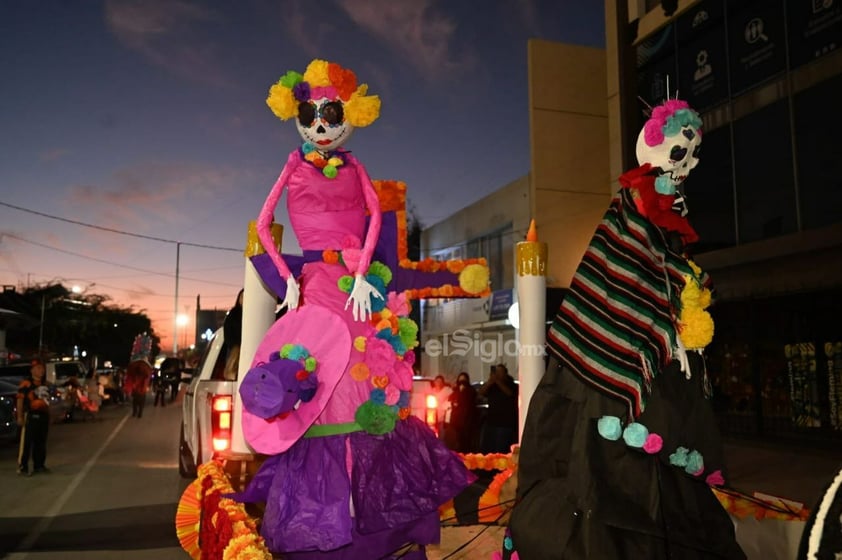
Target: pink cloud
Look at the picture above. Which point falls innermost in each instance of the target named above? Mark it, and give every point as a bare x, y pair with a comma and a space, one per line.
415, 30
53, 154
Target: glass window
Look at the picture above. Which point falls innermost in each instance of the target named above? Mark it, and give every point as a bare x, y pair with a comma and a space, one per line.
764, 176
817, 132
710, 193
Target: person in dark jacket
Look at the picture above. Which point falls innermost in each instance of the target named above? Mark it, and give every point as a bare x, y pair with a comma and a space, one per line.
500, 430
463, 415
33, 415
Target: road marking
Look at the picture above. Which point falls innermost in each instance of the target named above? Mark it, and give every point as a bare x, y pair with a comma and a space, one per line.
44, 522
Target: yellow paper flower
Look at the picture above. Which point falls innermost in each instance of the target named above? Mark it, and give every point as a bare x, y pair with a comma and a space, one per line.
316, 74
282, 102
474, 278
695, 325
362, 110
335, 161
359, 344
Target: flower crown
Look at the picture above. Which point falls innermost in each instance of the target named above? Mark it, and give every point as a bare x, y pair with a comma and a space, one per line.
668, 119
324, 79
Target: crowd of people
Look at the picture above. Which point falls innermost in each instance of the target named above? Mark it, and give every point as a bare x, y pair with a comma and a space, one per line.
484, 420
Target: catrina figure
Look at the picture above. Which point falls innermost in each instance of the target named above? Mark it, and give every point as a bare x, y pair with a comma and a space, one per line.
351, 473
620, 446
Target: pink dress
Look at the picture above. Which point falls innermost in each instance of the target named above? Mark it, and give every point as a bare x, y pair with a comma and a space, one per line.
351, 473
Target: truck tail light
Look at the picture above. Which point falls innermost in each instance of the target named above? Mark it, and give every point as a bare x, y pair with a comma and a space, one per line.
431, 412
221, 422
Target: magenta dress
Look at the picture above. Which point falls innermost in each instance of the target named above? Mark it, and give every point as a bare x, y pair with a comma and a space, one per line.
351, 473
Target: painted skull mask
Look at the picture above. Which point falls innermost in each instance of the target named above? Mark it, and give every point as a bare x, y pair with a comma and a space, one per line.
670, 143
322, 123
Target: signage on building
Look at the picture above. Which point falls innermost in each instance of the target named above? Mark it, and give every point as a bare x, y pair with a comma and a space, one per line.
702, 70
756, 44
699, 19
815, 29
501, 301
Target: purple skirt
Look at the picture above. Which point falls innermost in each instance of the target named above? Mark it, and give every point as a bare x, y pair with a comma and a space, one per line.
398, 481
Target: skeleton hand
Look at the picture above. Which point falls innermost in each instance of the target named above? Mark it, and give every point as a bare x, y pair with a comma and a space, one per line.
361, 296
682, 357
293, 294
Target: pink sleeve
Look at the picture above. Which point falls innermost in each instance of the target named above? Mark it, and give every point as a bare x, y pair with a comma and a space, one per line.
267, 215
373, 204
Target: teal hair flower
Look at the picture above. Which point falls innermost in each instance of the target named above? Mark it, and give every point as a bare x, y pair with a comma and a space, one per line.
635, 435
609, 427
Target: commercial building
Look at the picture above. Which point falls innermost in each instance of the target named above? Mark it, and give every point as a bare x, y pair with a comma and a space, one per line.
766, 76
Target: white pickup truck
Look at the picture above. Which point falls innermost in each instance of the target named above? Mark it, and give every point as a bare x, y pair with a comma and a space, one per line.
207, 408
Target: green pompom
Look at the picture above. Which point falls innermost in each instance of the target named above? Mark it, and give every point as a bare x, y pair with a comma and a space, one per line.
376, 419
310, 364
330, 171
345, 283
408, 331
290, 79
380, 270
286, 349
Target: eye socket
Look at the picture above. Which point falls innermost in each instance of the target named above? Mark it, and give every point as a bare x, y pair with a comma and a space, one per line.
333, 113
697, 150
306, 113
677, 153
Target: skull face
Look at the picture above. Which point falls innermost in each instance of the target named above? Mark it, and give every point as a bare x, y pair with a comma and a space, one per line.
673, 159
322, 123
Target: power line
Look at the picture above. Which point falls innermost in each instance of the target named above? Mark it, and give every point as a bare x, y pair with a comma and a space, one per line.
113, 230
119, 265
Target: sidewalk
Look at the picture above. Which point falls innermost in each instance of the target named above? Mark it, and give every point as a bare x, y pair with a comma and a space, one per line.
782, 469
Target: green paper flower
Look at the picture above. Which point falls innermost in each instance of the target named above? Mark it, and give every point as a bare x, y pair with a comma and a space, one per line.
310, 364
408, 331
380, 270
329, 171
291, 78
286, 349
346, 283
376, 419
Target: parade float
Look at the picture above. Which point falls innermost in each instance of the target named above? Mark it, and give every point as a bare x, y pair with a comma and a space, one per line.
326, 459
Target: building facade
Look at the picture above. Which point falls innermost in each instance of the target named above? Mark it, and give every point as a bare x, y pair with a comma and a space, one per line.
766, 77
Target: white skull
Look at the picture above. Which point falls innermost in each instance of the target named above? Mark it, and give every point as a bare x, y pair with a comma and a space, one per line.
322, 123
673, 158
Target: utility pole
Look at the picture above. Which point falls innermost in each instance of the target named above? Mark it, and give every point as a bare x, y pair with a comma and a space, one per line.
175, 303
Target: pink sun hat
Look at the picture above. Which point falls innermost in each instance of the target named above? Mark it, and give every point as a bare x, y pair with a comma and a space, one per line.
325, 336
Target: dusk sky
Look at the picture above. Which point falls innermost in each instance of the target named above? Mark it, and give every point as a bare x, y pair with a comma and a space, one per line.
149, 117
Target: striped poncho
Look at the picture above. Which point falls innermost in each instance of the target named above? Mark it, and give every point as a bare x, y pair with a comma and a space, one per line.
616, 328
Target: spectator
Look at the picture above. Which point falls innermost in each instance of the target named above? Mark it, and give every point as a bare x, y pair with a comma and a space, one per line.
500, 430
171, 372
442, 391
33, 411
138, 375
463, 415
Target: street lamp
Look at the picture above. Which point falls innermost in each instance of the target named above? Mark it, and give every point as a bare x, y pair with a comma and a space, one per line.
181, 320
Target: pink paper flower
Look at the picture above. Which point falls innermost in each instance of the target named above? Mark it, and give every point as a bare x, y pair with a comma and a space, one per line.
392, 394
409, 358
398, 304
715, 478
402, 376
653, 443
379, 356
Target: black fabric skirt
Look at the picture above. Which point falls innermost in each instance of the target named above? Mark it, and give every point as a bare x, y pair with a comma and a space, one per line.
581, 496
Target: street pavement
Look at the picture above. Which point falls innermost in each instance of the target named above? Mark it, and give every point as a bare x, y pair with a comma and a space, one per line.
115, 487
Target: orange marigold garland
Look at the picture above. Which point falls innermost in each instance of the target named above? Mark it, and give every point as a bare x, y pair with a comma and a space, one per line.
226, 530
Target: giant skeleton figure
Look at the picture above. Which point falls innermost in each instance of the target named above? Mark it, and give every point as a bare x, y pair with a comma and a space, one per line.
620, 445
351, 474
